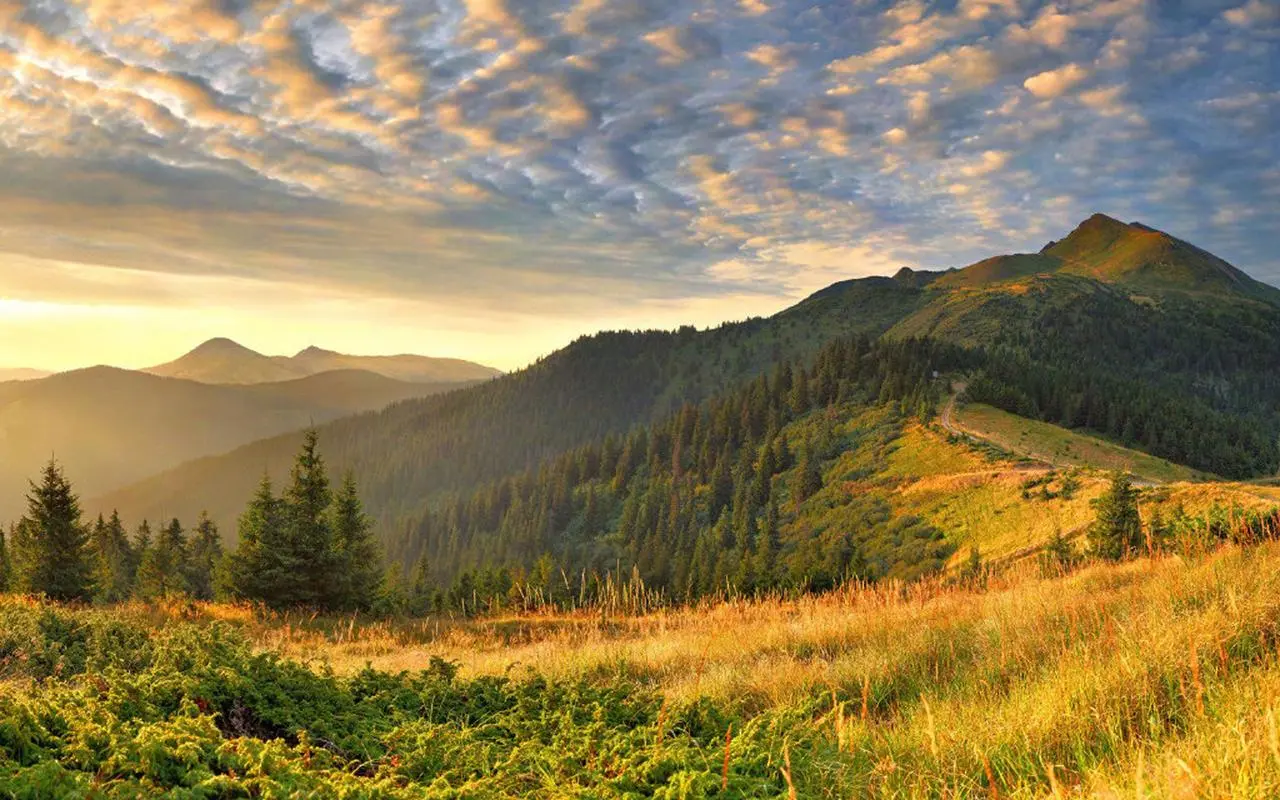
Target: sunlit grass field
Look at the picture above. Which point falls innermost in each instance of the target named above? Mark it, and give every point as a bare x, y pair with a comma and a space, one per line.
1156, 678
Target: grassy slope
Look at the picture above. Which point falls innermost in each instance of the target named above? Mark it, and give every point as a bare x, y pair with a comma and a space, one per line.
1157, 678
973, 493
1062, 447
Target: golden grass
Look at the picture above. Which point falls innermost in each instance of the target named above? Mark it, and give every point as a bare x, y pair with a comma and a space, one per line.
1155, 678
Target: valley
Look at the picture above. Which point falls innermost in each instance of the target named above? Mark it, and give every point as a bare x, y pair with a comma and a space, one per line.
111, 427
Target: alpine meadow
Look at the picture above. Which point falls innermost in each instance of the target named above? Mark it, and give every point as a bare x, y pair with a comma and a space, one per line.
825, 399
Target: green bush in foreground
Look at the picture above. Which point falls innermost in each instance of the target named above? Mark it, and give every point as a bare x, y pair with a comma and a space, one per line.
92, 706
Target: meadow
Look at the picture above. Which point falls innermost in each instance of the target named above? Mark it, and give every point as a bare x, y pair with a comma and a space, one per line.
1155, 678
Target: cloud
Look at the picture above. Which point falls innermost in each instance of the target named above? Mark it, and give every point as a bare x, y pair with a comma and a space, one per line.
989, 162
490, 154
1052, 83
1254, 12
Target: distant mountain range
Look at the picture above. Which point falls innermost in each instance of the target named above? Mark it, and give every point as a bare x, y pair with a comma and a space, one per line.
223, 361
110, 427
21, 374
1113, 300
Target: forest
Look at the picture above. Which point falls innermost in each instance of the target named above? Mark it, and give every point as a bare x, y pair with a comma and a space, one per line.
721, 498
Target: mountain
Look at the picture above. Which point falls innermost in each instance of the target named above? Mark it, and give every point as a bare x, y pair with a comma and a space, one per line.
1181, 367
411, 453
222, 361
414, 369
110, 427
21, 374
225, 361
1130, 256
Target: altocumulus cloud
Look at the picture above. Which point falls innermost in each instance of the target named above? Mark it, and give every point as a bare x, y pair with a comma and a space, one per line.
587, 156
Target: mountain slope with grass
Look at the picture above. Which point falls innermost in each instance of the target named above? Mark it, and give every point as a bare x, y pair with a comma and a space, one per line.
1183, 371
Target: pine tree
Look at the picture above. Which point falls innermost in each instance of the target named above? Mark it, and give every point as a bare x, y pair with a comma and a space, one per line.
308, 531
113, 567
52, 545
358, 574
1059, 555
422, 590
1116, 532
141, 544
204, 556
766, 553
161, 571
808, 478
258, 568
6, 568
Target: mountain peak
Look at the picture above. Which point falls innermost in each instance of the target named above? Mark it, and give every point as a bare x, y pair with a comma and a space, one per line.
1149, 260
219, 344
313, 352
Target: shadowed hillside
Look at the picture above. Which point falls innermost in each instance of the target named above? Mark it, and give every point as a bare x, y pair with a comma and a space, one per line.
110, 426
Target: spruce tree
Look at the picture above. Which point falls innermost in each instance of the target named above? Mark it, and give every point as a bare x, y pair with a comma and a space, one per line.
258, 568
766, 553
52, 544
6, 569
808, 478
1116, 532
141, 544
308, 530
113, 560
358, 574
421, 590
204, 555
161, 571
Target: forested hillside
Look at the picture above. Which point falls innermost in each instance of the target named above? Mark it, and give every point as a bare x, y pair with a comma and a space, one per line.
420, 450
1182, 367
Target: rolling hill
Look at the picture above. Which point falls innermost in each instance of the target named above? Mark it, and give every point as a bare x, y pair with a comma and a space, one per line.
223, 361
110, 427
21, 374
1116, 329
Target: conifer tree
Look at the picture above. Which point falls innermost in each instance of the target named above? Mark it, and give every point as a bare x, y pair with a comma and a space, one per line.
6, 569
141, 543
308, 530
808, 478
358, 559
421, 590
204, 555
113, 567
161, 571
257, 570
1116, 532
51, 545
767, 546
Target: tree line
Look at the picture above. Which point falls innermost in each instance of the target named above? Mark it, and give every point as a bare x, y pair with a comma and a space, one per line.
717, 496
309, 546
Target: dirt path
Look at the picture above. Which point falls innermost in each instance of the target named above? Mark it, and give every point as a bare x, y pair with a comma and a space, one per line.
948, 420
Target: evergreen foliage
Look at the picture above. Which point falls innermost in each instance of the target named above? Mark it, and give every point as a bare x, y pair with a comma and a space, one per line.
204, 555
114, 561
357, 555
161, 571
307, 547
705, 500
50, 543
1116, 533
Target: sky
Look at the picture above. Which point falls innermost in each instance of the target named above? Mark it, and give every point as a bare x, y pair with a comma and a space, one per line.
489, 179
